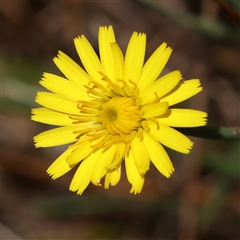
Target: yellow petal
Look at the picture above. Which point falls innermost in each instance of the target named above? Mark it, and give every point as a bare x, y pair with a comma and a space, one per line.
170, 138
104, 160
63, 87
183, 118
112, 178
82, 151
133, 175
154, 110
106, 38
154, 66
83, 175
118, 157
161, 87
48, 116
57, 103
158, 155
59, 167
118, 60
58, 136
71, 69
184, 90
140, 155
134, 57
89, 58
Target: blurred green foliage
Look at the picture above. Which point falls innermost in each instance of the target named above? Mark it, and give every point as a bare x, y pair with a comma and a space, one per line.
213, 28
225, 167
20, 79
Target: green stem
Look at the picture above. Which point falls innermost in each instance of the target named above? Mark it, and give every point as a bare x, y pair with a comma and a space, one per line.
211, 132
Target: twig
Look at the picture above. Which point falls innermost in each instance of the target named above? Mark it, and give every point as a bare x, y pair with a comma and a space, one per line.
231, 11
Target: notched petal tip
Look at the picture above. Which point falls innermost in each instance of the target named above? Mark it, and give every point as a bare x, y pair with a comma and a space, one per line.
109, 27
76, 191
170, 173
51, 175
36, 143
135, 191
59, 55
97, 182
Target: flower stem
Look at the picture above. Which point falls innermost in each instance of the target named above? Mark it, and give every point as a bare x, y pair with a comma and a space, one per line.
211, 132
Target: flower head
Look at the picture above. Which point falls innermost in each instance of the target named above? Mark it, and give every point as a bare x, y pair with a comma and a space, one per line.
116, 110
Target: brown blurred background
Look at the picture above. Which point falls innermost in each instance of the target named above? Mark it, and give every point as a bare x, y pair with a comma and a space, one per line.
201, 199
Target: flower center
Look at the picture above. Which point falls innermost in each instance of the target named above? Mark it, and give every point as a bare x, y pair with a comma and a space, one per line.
110, 114
114, 114
120, 115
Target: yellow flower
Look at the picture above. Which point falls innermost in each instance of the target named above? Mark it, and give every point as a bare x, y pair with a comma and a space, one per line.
115, 110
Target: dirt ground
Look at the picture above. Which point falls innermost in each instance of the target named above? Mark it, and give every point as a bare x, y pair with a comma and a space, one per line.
199, 202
